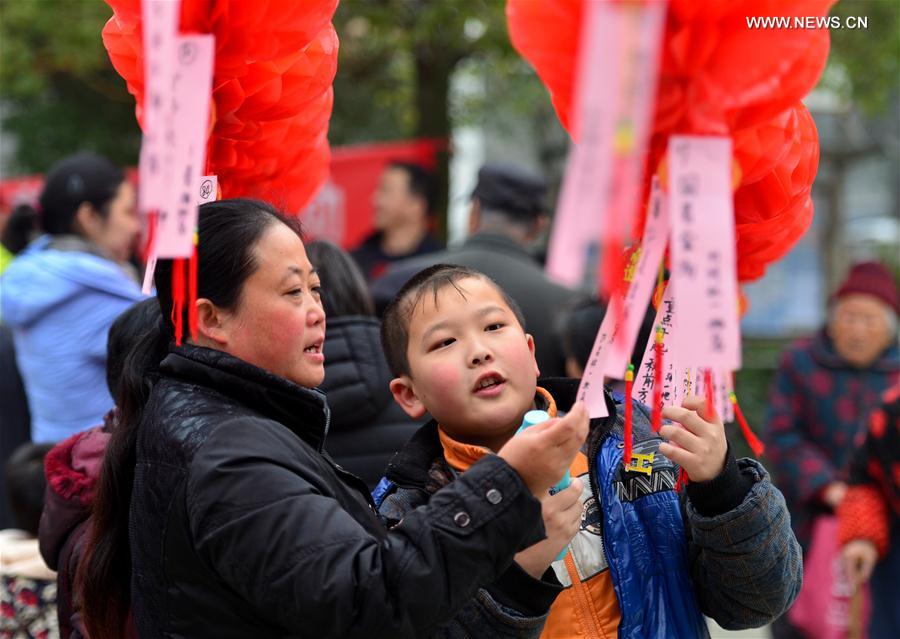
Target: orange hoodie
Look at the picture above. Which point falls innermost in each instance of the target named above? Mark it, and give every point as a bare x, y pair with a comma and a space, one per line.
587, 608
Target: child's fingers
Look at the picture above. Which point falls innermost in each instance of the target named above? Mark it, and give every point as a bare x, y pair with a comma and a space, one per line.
688, 418
681, 436
697, 403
570, 495
680, 456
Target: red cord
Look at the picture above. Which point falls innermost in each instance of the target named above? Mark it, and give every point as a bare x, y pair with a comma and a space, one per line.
710, 400
753, 441
629, 385
178, 286
657, 380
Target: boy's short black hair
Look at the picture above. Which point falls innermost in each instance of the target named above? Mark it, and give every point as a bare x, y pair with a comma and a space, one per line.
395, 323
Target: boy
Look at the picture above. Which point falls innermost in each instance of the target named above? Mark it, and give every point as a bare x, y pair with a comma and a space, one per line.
646, 562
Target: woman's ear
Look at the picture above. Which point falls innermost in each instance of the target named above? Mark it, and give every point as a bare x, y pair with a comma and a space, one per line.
87, 221
405, 394
212, 326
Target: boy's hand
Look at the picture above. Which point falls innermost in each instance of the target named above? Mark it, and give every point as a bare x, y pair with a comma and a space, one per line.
859, 557
698, 444
562, 519
543, 453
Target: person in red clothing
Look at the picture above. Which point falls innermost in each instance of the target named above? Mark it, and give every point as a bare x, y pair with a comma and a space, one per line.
869, 515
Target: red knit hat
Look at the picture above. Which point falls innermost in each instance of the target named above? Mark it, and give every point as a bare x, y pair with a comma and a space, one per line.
870, 278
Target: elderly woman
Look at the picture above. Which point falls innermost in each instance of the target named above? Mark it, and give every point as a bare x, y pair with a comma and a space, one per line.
824, 388
822, 392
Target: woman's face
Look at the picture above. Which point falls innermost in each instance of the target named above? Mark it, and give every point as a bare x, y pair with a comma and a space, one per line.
860, 328
278, 324
118, 231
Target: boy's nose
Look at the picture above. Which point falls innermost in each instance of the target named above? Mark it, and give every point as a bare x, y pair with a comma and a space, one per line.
481, 357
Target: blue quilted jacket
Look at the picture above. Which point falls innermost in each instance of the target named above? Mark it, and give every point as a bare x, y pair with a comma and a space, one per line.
669, 564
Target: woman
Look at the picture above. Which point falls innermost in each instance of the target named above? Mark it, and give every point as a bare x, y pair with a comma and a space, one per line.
61, 294
367, 425
239, 525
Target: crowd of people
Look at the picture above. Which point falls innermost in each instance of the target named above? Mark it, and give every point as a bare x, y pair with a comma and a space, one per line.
338, 453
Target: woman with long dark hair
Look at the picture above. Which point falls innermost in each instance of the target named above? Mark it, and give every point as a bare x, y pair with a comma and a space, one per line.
219, 515
367, 425
61, 294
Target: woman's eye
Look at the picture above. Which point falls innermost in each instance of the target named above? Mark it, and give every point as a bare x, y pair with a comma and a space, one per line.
297, 292
493, 327
317, 291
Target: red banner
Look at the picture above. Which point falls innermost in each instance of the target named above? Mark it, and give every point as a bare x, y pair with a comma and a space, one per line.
342, 210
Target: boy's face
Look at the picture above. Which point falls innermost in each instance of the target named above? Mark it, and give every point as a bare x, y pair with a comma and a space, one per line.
472, 366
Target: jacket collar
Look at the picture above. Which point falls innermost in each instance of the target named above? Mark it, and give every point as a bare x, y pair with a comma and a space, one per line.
498, 242
302, 410
410, 465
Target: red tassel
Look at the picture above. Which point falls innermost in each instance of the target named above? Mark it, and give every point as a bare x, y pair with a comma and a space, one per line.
683, 480
178, 292
657, 380
752, 440
192, 293
629, 384
708, 390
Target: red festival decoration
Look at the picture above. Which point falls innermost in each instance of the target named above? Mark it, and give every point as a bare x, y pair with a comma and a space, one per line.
274, 64
718, 76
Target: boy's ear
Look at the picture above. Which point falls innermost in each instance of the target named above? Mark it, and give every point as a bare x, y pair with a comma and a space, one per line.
211, 323
405, 395
530, 340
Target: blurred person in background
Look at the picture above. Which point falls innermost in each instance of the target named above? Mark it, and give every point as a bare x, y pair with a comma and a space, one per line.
60, 295
823, 391
403, 204
508, 215
367, 425
19, 229
73, 466
27, 585
869, 515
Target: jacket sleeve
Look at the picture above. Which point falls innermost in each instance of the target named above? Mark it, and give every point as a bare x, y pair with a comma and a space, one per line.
266, 524
746, 564
514, 606
801, 469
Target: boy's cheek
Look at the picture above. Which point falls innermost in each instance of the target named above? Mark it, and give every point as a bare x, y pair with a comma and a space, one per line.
445, 383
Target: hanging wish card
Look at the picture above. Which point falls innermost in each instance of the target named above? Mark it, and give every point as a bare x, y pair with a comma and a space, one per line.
702, 247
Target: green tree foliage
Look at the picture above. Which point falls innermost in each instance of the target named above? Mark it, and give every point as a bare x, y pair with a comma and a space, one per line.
59, 91
864, 64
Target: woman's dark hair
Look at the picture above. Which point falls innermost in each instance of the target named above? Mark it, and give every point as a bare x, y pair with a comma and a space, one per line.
21, 226
127, 331
80, 178
228, 230
344, 290
25, 484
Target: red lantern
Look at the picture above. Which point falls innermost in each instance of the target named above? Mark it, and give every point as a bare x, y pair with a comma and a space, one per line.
275, 62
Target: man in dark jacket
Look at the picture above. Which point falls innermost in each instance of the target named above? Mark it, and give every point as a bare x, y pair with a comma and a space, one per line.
403, 204
508, 214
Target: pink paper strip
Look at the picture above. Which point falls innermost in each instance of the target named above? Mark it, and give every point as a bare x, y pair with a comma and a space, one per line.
206, 190
159, 19
618, 332
656, 235
191, 96
673, 378
704, 273
615, 91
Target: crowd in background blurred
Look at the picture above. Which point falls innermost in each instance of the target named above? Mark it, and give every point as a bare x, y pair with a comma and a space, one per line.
71, 310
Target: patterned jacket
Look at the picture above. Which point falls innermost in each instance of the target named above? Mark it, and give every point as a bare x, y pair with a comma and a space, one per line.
734, 557
817, 405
